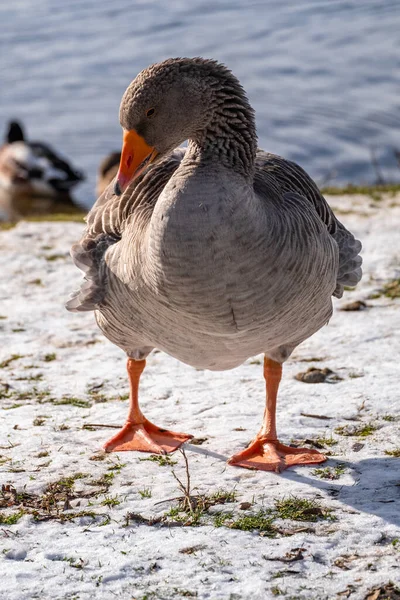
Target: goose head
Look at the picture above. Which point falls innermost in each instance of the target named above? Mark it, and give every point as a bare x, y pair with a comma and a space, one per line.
181, 99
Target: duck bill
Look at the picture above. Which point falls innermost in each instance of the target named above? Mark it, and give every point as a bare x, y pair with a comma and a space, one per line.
136, 155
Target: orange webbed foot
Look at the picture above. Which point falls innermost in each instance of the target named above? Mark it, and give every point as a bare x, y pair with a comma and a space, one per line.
265, 455
145, 437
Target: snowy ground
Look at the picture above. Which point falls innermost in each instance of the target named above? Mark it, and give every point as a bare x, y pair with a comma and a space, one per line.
94, 526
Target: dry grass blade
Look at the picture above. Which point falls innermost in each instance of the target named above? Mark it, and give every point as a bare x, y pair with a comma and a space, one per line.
93, 425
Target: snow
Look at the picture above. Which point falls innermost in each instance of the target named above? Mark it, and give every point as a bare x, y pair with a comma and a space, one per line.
106, 556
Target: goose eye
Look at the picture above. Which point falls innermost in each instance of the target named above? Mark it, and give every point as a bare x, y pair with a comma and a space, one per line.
150, 112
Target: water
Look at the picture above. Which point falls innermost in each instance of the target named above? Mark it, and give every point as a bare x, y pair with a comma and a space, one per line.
323, 75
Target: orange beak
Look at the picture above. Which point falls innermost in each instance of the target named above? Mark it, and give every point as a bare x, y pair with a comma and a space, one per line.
135, 157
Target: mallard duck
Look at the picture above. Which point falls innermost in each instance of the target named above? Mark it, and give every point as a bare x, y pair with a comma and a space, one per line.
33, 178
211, 254
107, 171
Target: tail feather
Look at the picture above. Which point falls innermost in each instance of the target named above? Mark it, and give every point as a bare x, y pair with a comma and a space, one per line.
88, 255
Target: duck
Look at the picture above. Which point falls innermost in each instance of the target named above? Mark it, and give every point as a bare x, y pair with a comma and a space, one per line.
107, 171
212, 254
33, 178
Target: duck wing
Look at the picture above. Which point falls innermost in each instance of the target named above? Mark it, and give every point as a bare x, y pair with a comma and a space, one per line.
283, 176
106, 223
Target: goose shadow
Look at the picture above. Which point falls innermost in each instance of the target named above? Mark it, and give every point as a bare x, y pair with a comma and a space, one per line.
375, 486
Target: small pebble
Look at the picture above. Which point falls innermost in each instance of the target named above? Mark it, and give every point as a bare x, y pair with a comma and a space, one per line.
356, 305
314, 375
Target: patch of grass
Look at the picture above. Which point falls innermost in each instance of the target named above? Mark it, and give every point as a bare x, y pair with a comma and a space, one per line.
50, 357
97, 457
391, 289
36, 282
18, 329
222, 497
79, 402
326, 441
66, 483
53, 257
11, 519
37, 377
16, 468
163, 460
261, 521
374, 191
355, 375
116, 467
5, 226
76, 216
331, 473
178, 515
8, 361
374, 295
145, 493
395, 453
66, 517
389, 418
301, 509
53, 503
192, 549
110, 501
185, 593
354, 430
276, 591
73, 217
39, 420
221, 519
2, 317
105, 480
30, 394
77, 563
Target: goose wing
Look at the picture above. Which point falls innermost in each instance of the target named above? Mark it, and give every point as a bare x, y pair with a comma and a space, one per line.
106, 223
285, 176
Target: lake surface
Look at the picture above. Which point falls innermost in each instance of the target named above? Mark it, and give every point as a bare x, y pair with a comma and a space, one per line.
323, 75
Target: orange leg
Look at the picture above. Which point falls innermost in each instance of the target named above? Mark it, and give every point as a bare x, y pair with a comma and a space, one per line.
265, 452
138, 433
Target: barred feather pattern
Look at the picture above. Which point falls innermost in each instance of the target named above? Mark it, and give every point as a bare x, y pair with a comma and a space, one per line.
107, 221
111, 215
275, 171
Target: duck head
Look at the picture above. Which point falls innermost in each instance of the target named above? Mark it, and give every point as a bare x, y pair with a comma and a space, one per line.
33, 166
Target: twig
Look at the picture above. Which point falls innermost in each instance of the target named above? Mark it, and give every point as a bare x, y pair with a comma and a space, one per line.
187, 503
10, 445
380, 180
315, 416
330, 176
180, 498
87, 425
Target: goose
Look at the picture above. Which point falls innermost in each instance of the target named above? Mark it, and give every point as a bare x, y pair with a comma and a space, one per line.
212, 254
33, 178
107, 171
